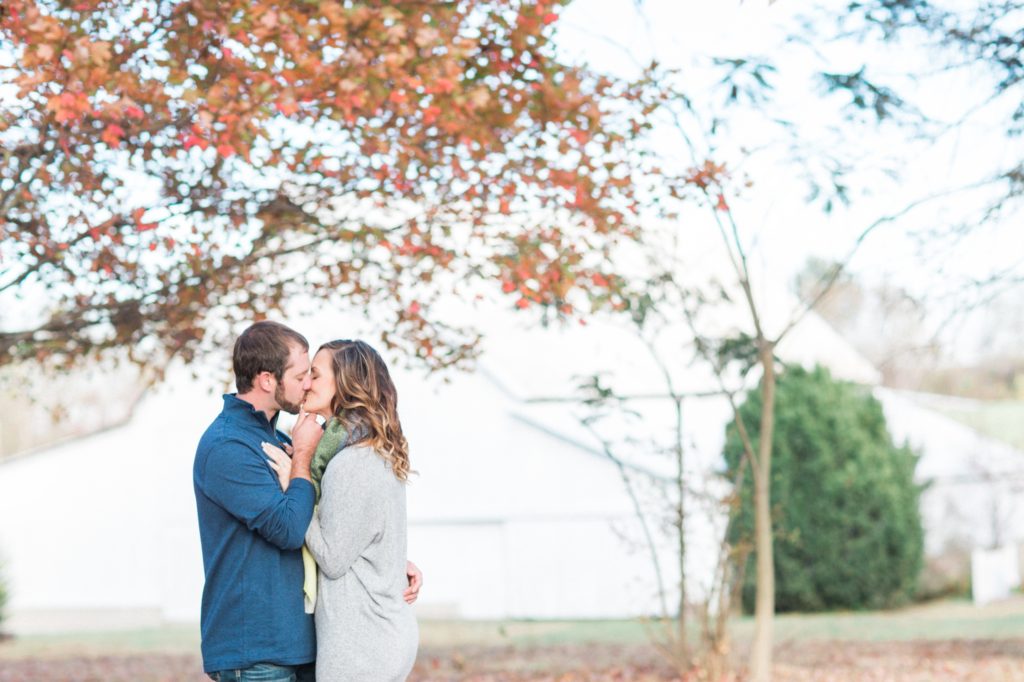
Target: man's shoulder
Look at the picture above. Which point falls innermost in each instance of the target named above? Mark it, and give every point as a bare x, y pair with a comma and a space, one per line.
223, 436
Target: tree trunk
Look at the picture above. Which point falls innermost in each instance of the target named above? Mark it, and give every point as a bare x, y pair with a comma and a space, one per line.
684, 647
764, 610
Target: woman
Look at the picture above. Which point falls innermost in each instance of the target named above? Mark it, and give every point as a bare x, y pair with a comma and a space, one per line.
364, 629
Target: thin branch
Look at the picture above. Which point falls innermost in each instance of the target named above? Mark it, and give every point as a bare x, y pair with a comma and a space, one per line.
841, 266
637, 508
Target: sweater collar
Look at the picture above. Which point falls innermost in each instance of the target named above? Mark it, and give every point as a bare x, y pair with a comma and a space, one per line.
239, 409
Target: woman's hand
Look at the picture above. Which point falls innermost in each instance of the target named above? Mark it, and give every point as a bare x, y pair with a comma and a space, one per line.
415, 582
280, 462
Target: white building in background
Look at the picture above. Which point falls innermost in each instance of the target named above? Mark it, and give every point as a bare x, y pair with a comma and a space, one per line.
516, 511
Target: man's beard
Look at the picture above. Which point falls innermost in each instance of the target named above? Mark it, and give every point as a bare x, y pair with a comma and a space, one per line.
284, 403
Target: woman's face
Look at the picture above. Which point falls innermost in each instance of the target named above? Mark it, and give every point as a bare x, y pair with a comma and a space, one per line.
322, 387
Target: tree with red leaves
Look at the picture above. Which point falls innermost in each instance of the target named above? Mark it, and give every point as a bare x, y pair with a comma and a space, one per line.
167, 164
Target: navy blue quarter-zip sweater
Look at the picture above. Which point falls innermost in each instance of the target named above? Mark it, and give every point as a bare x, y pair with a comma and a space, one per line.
251, 533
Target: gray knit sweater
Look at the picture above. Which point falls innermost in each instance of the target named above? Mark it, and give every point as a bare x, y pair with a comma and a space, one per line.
364, 629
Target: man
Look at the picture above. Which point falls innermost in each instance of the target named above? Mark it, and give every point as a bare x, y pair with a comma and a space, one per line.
253, 622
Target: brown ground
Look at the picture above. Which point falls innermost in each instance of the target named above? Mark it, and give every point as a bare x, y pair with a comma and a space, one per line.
974, 660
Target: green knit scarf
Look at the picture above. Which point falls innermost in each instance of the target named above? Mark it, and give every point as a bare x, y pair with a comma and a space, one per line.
331, 443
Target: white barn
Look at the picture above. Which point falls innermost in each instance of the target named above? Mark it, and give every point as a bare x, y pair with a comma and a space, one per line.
516, 512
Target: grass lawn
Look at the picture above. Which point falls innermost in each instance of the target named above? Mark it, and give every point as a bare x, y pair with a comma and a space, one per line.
935, 621
1000, 419
950, 640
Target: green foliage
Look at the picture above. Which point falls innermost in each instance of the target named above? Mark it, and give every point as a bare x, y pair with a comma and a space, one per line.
845, 506
3, 596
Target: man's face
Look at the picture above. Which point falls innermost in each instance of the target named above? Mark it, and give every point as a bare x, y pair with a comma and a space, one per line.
295, 382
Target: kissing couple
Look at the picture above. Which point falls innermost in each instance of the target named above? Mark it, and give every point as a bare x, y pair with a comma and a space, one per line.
304, 538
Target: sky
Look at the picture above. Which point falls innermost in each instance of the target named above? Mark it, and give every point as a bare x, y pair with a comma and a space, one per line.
616, 36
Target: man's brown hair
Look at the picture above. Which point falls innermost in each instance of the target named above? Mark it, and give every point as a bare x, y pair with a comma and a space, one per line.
263, 347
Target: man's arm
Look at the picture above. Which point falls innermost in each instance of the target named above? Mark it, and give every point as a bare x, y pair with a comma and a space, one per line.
239, 480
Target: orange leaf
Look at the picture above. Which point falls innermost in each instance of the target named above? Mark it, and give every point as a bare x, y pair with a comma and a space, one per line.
112, 135
443, 85
431, 113
195, 141
287, 106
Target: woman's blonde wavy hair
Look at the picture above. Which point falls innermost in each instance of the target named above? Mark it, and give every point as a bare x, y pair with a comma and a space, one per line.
365, 399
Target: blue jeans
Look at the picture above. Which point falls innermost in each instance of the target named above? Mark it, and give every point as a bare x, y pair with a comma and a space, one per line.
267, 672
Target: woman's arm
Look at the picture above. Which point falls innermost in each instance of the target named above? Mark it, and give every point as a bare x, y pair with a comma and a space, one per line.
350, 517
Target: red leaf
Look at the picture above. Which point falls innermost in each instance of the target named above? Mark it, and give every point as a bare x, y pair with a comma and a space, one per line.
112, 135
139, 225
508, 286
443, 85
134, 112
431, 113
195, 141
721, 205
581, 196
414, 308
287, 106
225, 150
581, 136
550, 18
